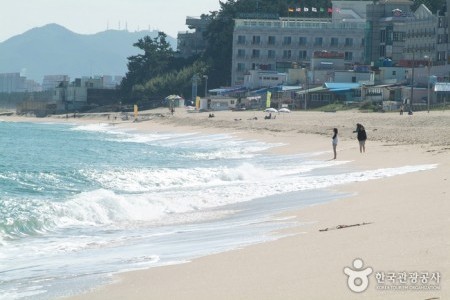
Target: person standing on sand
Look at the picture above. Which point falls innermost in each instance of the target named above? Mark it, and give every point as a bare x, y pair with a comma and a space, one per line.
362, 137
335, 141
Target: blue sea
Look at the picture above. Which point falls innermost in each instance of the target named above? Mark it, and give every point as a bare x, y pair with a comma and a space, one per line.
79, 203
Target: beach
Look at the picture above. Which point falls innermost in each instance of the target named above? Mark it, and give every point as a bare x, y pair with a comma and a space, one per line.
394, 225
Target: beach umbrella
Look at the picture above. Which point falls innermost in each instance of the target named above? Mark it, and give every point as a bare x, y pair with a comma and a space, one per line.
271, 110
284, 110
173, 97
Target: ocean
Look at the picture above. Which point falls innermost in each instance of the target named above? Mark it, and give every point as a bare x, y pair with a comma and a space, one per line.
79, 203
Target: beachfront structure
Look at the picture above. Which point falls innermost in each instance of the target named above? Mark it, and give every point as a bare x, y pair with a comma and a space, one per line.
217, 103
82, 93
441, 93
256, 79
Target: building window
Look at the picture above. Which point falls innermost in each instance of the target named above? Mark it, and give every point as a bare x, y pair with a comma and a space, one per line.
348, 42
287, 40
287, 54
382, 50
334, 42
241, 53
241, 39
256, 40
302, 54
383, 36
255, 53
348, 55
318, 41
241, 67
442, 39
394, 73
399, 36
302, 40
271, 40
363, 42
271, 54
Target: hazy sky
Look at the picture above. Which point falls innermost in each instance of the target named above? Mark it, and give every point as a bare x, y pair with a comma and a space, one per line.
92, 16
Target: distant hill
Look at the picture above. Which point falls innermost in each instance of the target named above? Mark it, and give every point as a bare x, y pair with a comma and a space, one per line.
53, 50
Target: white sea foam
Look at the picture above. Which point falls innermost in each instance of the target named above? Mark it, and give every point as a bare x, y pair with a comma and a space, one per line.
177, 193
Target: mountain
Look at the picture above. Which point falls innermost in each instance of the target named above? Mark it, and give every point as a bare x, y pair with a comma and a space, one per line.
54, 50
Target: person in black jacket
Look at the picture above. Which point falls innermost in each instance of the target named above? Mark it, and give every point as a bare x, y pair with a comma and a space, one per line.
361, 136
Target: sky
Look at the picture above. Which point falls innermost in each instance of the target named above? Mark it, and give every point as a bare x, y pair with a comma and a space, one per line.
92, 16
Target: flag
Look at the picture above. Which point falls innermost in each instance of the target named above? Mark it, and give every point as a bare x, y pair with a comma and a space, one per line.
135, 111
322, 9
269, 96
305, 9
330, 10
197, 102
290, 9
298, 9
314, 9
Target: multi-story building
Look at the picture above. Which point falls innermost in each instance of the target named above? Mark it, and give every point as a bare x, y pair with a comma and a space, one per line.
278, 44
380, 33
193, 43
397, 33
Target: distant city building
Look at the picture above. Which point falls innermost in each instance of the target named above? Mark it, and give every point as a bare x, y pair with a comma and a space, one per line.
85, 92
111, 82
52, 81
12, 83
32, 86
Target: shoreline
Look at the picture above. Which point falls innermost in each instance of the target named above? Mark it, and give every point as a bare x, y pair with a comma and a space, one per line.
408, 214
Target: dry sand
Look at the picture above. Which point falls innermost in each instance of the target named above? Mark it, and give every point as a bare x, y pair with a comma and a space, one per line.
409, 214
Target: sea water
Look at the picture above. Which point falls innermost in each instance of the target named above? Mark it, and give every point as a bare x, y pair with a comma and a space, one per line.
81, 202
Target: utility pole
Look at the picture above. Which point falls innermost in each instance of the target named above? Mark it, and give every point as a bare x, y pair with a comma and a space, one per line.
195, 80
428, 86
206, 85
412, 84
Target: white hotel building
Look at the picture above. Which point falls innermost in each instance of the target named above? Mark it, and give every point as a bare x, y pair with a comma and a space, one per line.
280, 44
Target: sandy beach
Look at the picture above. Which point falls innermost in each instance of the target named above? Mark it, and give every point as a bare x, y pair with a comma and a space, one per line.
401, 223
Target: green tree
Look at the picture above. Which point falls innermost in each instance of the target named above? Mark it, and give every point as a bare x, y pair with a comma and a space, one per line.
157, 59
